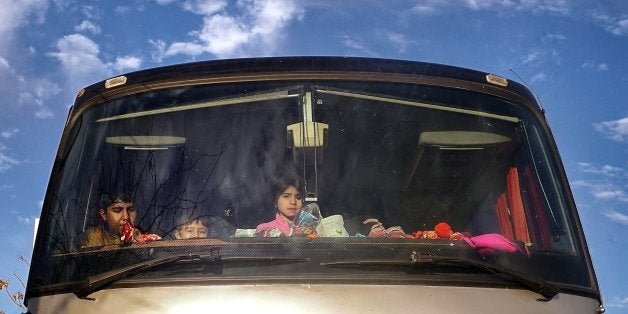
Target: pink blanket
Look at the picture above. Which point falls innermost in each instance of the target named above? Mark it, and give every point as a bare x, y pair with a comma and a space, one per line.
487, 244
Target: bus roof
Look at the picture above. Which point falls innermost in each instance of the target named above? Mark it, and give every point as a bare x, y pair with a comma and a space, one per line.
280, 68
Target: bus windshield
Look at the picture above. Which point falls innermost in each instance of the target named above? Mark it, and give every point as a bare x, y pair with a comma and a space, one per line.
376, 174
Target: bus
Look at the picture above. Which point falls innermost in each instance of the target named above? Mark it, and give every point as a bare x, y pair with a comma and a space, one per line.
409, 185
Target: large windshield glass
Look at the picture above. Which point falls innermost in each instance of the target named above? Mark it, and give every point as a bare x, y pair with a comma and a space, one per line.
326, 171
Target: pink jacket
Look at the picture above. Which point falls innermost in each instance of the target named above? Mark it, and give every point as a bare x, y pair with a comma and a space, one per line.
279, 223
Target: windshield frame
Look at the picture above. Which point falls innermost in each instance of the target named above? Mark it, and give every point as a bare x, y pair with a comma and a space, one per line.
321, 69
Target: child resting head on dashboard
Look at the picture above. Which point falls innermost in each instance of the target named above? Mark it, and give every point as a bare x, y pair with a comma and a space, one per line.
202, 227
190, 229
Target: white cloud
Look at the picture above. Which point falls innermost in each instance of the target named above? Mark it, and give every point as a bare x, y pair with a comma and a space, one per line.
539, 77
618, 302
531, 57
433, 7
612, 24
223, 36
602, 17
580, 183
356, 45
600, 67
127, 63
4, 63
87, 26
15, 14
159, 50
164, 2
603, 191
353, 44
272, 15
91, 12
204, 7
26, 220
397, 39
616, 130
191, 49
44, 89
257, 28
26, 98
482, 4
6, 162
79, 57
9, 133
36, 95
538, 57
606, 170
619, 27
44, 113
559, 7
554, 37
622, 219
425, 9
122, 10
612, 193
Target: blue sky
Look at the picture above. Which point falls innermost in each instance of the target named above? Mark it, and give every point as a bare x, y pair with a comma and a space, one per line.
572, 53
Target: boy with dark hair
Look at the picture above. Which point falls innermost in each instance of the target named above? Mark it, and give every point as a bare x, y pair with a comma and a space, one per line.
117, 213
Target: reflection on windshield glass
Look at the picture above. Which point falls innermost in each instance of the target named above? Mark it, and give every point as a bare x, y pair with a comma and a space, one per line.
346, 171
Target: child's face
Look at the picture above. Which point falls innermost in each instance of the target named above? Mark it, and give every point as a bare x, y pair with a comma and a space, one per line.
289, 202
118, 213
193, 229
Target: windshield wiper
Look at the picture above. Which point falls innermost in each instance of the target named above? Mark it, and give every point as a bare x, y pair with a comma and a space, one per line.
418, 260
97, 282
242, 99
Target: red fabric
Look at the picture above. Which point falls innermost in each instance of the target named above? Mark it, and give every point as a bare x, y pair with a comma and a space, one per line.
129, 234
147, 237
503, 217
126, 232
516, 206
541, 222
